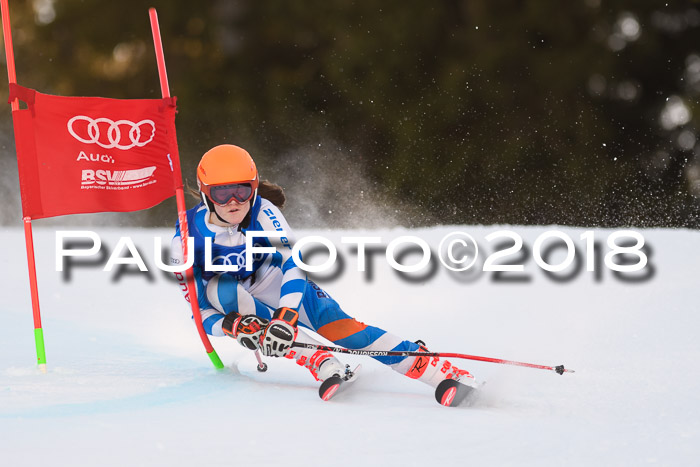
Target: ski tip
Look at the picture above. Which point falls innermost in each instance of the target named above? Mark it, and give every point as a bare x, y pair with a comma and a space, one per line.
451, 393
327, 393
448, 397
337, 383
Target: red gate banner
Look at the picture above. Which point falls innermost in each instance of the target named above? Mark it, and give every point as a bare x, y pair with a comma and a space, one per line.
92, 154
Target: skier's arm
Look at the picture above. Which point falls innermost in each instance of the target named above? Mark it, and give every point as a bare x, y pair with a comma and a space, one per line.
293, 278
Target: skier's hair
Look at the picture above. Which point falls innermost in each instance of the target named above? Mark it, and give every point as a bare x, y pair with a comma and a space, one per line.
268, 190
272, 192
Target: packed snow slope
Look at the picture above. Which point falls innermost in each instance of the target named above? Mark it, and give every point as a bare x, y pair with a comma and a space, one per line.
128, 382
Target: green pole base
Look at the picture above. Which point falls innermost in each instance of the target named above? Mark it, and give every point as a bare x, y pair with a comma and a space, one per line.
214, 357
40, 350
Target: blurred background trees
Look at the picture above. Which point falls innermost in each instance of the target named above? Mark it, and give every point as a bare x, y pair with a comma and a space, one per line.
582, 112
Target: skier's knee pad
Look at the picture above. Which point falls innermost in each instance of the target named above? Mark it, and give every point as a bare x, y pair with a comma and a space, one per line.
345, 329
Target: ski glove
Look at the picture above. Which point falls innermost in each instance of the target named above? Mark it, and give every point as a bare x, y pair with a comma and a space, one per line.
279, 335
246, 329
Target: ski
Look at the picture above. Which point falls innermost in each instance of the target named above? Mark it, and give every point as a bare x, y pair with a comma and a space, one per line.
452, 393
336, 383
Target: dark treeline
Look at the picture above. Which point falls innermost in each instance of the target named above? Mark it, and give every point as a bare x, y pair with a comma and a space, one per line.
582, 112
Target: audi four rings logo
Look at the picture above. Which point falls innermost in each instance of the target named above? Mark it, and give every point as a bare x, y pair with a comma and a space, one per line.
228, 260
92, 133
236, 259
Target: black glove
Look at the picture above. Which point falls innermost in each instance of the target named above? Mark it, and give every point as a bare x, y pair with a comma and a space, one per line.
246, 329
278, 337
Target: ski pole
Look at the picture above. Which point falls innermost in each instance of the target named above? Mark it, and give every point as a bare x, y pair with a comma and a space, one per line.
262, 366
407, 353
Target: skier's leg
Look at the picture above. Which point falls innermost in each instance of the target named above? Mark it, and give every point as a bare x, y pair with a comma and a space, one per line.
322, 313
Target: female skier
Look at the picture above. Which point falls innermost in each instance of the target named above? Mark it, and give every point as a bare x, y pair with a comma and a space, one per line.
264, 308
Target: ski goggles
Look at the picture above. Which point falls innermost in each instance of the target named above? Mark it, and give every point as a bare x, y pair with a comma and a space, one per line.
224, 194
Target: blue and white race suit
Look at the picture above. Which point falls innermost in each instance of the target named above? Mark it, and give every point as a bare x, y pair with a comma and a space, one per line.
276, 281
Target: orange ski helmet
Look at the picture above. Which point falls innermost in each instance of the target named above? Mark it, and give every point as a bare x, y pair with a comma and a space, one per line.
225, 173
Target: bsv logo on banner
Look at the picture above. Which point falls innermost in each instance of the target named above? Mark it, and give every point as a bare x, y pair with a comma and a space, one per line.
94, 133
